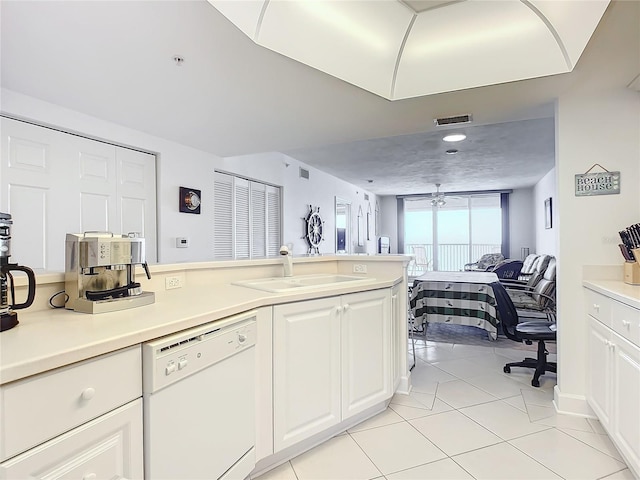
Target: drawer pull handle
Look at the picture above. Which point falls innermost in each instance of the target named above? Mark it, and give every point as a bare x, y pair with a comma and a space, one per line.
90, 476
626, 323
345, 308
596, 307
88, 393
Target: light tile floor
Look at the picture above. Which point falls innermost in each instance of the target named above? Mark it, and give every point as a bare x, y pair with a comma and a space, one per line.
465, 419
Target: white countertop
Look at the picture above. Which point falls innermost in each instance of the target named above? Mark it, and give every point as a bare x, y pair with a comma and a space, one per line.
53, 338
616, 289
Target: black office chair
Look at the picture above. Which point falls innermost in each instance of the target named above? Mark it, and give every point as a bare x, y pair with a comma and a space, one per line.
520, 328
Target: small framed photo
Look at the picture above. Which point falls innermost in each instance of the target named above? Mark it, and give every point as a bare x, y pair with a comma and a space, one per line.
189, 200
548, 218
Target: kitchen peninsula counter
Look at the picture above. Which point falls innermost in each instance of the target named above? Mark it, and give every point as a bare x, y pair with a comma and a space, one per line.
52, 338
616, 289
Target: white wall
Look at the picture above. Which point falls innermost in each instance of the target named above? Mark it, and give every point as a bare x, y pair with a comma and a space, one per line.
319, 190
179, 165
546, 238
389, 209
597, 121
588, 226
521, 222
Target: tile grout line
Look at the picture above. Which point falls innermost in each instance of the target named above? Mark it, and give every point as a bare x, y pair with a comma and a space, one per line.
366, 455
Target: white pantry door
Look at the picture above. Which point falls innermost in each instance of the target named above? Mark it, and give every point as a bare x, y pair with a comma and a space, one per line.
54, 183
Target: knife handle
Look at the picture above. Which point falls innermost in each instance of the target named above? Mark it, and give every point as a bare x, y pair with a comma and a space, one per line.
626, 253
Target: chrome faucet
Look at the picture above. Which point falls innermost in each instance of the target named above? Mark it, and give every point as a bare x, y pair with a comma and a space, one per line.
288, 263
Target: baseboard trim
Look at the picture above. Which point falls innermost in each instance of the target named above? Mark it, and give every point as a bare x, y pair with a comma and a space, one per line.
404, 385
570, 404
278, 458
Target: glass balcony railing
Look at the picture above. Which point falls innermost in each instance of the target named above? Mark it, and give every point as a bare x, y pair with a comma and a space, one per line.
451, 257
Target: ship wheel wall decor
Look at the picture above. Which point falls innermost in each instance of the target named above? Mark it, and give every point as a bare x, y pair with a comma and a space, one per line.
314, 230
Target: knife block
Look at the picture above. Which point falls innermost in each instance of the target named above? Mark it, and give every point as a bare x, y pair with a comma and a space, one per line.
632, 270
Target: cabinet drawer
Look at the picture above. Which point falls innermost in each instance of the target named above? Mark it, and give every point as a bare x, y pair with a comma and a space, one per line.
626, 321
41, 407
598, 306
107, 447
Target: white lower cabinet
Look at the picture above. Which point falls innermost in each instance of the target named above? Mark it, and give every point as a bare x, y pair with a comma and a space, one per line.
398, 333
613, 387
80, 421
600, 366
331, 360
626, 400
107, 447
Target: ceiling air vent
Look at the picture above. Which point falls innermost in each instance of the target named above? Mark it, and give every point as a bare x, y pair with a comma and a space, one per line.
304, 173
452, 120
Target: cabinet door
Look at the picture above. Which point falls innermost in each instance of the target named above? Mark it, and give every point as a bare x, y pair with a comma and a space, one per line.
136, 196
600, 370
366, 350
306, 369
626, 400
108, 447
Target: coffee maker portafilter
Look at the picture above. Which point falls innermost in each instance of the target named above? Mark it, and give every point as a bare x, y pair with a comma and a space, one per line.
9, 318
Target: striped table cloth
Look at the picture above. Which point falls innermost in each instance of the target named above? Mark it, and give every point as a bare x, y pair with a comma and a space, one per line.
459, 298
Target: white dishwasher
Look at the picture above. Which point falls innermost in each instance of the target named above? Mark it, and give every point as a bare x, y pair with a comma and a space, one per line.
199, 402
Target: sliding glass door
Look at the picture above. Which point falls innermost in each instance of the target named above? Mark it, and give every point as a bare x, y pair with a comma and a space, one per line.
452, 240
445, 238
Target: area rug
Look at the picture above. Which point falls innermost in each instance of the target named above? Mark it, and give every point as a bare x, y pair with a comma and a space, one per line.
467, 335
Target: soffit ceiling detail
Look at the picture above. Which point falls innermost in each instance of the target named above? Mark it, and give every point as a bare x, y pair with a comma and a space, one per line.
403, 49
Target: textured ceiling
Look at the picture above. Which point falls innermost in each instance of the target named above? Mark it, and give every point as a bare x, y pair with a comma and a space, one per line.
231, 97
521, 151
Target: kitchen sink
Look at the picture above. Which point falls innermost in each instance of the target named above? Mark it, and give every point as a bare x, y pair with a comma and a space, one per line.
289, 284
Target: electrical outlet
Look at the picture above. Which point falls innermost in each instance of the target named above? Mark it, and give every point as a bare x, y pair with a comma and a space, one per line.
359, 268
172, 282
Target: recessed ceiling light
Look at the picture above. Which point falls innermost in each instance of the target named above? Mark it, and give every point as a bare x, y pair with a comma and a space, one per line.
451, 151
370, 181
455, 137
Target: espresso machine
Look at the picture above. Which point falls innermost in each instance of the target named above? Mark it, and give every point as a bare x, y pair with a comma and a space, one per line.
100, 272
9, 318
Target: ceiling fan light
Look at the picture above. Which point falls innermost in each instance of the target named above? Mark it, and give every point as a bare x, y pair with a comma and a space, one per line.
437, 198
455, 137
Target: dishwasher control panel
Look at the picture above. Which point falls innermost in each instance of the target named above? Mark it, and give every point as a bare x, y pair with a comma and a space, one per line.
171, 358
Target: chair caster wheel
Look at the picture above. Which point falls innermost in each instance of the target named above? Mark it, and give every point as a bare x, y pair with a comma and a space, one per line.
506, 369
535, 383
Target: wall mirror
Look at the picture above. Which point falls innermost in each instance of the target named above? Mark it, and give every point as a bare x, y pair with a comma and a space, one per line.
343, 225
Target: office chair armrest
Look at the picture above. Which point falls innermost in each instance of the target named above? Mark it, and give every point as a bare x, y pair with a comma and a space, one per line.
552, 300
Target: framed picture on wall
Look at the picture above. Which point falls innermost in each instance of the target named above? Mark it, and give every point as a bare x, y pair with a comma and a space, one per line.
548, 220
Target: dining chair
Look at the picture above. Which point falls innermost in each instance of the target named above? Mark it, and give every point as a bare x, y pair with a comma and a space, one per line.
420, 263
